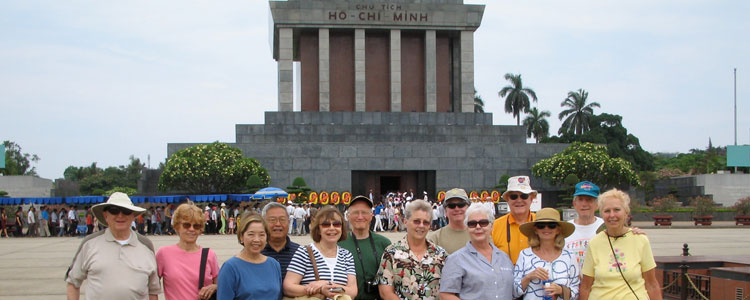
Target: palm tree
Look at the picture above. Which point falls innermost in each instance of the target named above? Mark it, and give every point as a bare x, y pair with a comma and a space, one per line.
536, 124
478, 103
516, 96
578, 112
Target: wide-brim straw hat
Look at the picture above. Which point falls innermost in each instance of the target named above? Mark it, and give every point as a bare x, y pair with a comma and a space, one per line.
116, 199
548, 215
520, 184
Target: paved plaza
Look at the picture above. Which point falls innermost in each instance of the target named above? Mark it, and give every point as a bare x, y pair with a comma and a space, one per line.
33, 268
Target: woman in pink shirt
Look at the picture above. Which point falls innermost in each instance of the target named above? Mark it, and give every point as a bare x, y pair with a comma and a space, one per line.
179, 264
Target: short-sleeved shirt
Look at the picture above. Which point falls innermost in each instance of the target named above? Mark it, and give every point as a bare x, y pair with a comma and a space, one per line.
515, 242
577, 242
302, 265
115, 271
179, 271
632, 252
368, 261
284, 256
450, 239
562, 271
410, 277
240, 279
471, 276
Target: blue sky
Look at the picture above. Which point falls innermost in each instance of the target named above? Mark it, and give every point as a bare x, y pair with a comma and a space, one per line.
98, 81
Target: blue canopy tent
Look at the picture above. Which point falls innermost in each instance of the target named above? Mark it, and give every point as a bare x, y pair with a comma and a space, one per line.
11, 201
166, 199
208, 198
269, 192
85, 199
241, 197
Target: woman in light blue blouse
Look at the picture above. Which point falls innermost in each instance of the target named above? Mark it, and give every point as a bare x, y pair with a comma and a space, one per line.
545, 268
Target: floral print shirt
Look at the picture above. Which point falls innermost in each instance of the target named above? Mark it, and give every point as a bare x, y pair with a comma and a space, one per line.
410, 277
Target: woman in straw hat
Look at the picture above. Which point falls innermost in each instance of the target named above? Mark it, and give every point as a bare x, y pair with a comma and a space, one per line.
179, 264
545, 268
621, 262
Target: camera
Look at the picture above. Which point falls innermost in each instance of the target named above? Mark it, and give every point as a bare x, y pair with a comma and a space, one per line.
371, 287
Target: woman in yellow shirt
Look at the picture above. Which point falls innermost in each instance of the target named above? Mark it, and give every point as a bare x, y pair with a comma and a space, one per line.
618, 264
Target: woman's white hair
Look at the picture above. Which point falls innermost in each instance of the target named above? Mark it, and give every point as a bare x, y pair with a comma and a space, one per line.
478, 207
417, 205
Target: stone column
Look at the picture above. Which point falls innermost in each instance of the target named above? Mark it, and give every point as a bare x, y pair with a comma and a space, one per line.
467, 71
324, 70
360, 91
285, 70
395, 70
430, 72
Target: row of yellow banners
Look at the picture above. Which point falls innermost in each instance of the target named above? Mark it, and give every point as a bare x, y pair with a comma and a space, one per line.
335, 198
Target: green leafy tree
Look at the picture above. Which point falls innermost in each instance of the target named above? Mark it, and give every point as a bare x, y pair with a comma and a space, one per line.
502, 184
254, 183
577, 112
210, 169
17, 162
299, 187
536, 124
127, 190
478, 103
607, 129
516, 96
3, 194
94, 180
587, 161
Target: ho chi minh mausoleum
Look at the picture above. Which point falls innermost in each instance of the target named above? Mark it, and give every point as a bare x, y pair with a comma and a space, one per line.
386, 101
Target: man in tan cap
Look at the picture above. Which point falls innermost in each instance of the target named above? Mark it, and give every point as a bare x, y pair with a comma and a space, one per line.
505, 230
118, 262
454, 236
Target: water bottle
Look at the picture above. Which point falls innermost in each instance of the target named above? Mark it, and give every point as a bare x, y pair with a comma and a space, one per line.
547, 283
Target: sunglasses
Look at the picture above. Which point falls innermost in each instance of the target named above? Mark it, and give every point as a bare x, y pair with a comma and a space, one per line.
117, 211
482, 223
187, 225
454, 205
515, 196
335, 224
422, 222
548, 225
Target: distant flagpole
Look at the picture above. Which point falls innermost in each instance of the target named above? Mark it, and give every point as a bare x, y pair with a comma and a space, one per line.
735, 106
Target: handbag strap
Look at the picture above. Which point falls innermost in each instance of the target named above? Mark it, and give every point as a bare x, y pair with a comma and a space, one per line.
202, 273
314, 262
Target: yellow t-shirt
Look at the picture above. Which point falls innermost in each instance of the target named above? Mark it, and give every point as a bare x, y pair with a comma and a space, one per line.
518, 241
633, 252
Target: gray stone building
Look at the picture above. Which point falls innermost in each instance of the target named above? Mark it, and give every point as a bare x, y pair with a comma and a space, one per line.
386, 101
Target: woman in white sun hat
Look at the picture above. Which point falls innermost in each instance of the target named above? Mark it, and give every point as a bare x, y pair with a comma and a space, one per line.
506, 233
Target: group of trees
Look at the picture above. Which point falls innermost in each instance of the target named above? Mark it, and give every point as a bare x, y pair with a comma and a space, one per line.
94, 180
17, 162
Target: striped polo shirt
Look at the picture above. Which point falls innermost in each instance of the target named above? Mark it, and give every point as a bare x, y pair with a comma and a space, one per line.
284, 256
301, 265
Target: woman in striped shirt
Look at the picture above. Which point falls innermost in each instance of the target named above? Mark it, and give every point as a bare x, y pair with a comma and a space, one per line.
335, 264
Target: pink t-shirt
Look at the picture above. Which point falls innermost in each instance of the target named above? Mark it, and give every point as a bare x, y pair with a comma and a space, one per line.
179, 271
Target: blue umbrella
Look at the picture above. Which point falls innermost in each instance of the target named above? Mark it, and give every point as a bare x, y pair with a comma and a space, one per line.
269, 192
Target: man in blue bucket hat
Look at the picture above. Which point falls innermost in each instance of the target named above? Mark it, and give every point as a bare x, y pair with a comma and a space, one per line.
587, 223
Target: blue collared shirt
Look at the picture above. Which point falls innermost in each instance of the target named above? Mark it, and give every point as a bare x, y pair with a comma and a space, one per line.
470, 275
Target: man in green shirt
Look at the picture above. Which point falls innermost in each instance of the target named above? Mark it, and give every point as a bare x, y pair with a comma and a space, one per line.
454, 236
366, 246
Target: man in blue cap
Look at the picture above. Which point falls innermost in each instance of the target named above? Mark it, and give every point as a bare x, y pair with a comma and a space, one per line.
584, 201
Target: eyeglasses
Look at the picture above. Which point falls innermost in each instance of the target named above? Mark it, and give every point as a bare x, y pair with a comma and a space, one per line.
335, 224
422, 222
279, 220
547, 224
456, 204
187, 225
515, 196
116, 211
482, 223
